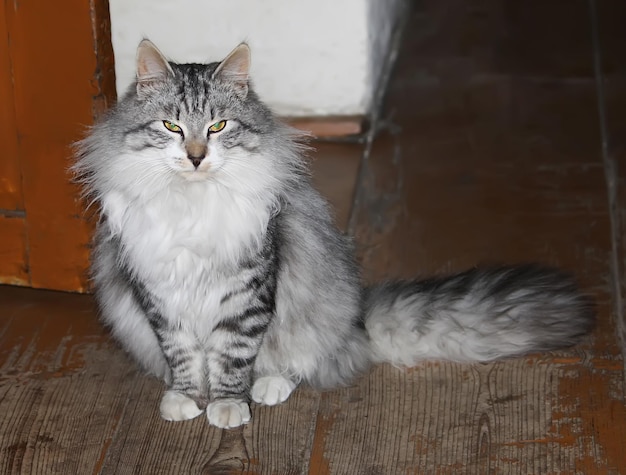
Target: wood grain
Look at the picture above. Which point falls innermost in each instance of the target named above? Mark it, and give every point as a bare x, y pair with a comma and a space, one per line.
329, 126
10, 174
60, 395
57, 80
13, 243
13, 251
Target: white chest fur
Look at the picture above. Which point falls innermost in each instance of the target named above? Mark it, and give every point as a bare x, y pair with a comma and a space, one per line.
184, 244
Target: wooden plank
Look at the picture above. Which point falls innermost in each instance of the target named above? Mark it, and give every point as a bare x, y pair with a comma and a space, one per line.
105, 59
274, 442
170, 448
10, 175
442, 418
13, 251
63, 388
55, 95
13, 244
329, 126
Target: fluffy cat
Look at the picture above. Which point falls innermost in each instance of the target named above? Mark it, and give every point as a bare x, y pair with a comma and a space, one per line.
217, 266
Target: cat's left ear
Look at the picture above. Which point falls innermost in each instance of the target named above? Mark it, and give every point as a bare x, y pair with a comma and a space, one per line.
236, 69
152, 67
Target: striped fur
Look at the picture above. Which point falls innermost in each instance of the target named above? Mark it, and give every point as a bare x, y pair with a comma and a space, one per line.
218, 268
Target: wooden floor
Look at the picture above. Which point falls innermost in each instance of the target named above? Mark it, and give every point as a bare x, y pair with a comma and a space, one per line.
494, 145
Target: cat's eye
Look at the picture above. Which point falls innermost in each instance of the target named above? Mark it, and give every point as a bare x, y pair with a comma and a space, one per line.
172, 127
217, 126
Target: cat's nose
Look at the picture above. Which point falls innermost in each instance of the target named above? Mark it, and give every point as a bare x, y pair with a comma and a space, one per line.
196, 160
196, 151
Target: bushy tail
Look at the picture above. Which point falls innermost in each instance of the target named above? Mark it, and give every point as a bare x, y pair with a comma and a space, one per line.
478, 315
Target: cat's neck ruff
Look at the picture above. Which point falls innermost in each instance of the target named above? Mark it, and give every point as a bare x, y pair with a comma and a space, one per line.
215, 224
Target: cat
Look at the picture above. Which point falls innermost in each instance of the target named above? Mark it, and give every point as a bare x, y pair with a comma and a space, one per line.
217, 266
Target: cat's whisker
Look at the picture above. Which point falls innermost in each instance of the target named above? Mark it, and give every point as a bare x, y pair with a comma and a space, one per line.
257, 196
158, 173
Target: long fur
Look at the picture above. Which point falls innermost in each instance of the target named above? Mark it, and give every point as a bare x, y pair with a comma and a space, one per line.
216, 277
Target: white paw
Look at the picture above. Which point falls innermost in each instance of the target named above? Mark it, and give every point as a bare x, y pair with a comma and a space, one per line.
178, 407
228, 413
272, 390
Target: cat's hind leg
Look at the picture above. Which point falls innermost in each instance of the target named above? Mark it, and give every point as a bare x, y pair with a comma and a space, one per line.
130, 327
272, 390
272, 382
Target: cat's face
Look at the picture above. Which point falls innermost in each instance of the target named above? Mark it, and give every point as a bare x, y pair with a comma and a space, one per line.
198, 122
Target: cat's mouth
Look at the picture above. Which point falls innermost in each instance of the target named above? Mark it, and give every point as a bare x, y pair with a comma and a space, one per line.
196, 175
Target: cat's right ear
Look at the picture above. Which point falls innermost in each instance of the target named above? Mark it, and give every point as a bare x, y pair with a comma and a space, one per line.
152, 68
235, 69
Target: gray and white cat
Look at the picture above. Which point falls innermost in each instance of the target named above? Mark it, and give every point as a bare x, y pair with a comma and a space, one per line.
218, 268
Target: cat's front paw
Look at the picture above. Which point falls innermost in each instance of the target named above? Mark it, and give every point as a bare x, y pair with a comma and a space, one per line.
176, 406
228, 413
272, 390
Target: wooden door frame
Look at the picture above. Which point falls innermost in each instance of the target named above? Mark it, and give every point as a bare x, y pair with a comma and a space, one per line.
62, 78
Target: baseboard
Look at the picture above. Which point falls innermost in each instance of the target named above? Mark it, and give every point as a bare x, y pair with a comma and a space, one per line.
329, 126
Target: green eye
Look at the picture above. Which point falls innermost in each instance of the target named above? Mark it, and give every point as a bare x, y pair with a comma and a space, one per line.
172, 127
217, 126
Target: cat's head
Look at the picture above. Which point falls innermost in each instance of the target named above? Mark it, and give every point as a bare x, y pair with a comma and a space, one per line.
196, 117
182, 123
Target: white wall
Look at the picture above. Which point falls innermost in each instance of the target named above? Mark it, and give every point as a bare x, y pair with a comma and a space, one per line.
309, 58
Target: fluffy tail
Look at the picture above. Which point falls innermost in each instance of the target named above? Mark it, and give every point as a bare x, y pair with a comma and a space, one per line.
478, 315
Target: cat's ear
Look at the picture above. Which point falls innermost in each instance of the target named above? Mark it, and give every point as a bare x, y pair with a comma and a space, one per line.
236, 69
152, 67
